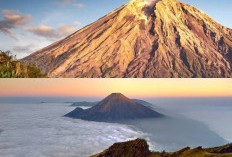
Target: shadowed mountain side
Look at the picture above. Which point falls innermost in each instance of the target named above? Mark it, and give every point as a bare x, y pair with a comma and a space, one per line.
116, 107
166, 38
140, 148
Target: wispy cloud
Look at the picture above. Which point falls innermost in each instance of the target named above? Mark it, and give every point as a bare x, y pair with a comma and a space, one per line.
23, 49
77, 23
65, 30
68, 2
50, 33
64, 2
43, 31
78, 5
13, 19
10, 12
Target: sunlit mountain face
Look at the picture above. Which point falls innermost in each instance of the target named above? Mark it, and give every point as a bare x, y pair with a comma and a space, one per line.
34, 29
148, 39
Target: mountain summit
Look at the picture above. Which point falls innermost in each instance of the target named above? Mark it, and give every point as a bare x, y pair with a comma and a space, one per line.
115, 107
143, 38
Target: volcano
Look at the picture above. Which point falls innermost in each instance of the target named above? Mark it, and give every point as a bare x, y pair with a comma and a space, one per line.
142, 39
114, 108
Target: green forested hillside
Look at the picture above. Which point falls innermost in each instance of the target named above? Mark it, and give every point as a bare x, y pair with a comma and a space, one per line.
10, 67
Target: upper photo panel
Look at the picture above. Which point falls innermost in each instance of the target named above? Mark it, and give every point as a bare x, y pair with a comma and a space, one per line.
93, 39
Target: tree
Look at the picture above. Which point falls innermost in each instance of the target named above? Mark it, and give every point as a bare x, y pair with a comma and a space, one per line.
10, 67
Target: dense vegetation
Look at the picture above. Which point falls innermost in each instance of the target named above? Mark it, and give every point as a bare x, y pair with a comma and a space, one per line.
140, 148
10, 67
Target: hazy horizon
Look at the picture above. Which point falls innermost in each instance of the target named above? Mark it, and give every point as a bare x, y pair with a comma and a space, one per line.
146, 88
155, 100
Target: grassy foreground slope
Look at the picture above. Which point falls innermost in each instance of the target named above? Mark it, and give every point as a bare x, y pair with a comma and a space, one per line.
140, 148
12, 68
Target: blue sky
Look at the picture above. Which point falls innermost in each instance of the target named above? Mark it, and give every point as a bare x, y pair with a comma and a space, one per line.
40, 22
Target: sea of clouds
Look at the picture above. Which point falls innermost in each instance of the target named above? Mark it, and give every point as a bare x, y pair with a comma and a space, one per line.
215, 113
40, 130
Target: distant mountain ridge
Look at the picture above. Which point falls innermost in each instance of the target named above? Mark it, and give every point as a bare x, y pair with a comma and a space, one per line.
115, 107
165, 38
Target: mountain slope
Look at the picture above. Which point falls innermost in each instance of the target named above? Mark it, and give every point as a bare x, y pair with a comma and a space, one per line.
140, 148
115, 107
161, 38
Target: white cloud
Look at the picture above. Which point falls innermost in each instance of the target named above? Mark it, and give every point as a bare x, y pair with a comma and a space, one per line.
40, 130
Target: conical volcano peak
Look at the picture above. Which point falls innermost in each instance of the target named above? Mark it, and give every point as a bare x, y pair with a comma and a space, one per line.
142, 3
143, 38
141, 9
135, 8
115, 107
150, 3
118, 97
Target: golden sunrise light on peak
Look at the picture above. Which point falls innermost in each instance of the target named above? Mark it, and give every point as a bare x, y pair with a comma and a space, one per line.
129, 87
